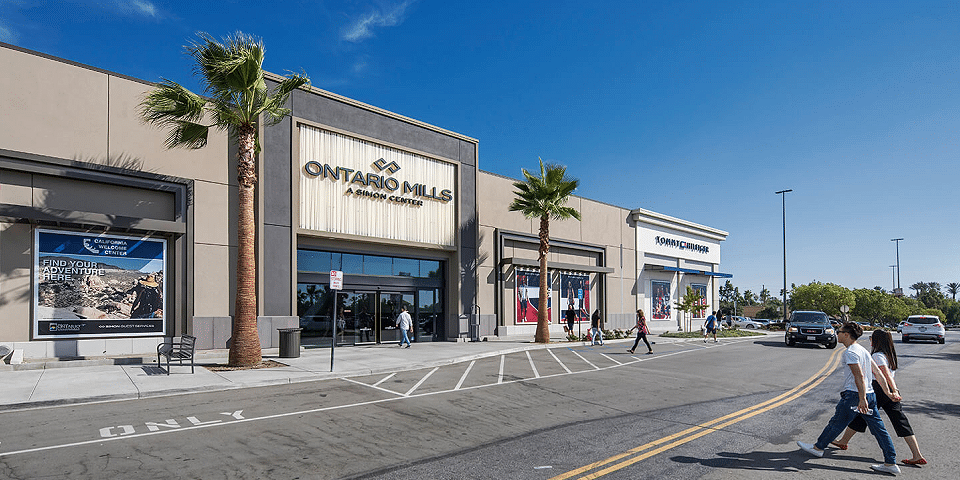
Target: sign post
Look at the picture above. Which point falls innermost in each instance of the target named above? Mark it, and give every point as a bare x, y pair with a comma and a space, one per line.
580, 322
336, 284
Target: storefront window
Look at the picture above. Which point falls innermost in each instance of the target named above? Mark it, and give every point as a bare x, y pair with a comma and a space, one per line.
374, 265
314, 261
352, 264
429, 269
406, 267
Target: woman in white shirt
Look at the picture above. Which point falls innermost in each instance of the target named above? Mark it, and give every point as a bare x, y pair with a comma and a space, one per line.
885, 355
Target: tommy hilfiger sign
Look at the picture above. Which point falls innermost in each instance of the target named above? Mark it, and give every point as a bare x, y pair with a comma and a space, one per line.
682, 245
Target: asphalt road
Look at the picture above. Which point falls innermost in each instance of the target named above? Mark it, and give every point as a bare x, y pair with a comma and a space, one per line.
692, 410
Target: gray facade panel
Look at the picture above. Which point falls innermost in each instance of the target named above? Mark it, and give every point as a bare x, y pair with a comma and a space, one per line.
326, 111
276, 266
275, 181
468, 153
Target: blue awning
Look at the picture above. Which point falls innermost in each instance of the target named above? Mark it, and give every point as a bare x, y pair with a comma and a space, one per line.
697, 272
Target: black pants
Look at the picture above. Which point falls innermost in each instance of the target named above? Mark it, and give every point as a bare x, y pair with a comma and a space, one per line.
897, 418
637, 342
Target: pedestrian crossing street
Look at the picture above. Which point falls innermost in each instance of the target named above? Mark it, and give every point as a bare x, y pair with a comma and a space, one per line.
515, 367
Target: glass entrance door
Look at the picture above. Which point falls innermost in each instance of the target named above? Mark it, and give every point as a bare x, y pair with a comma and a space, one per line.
371, 317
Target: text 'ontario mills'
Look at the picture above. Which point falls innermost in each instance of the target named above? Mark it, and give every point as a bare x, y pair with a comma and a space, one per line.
352, 176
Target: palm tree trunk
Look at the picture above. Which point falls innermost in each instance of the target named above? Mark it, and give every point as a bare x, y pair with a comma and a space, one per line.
543, 319
245, 344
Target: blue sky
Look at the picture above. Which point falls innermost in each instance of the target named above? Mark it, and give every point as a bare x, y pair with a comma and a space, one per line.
699, 110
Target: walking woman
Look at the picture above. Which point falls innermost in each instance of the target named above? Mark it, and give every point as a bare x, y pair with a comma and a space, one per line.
595, 330
885, 355
642, 332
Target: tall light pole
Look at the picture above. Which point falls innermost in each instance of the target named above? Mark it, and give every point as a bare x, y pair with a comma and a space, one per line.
893, 271
783, 196
899, 287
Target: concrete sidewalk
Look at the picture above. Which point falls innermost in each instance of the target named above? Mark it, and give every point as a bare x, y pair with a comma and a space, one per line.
81, 381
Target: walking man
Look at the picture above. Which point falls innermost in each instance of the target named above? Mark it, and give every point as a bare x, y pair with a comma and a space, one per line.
405, 324
710, 326
858, 398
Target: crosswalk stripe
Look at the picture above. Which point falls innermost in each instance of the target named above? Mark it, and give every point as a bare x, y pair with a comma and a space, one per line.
536, 374
503, 358
584, 359
614, 360
464, 377
424, 379
558, 360
384, 379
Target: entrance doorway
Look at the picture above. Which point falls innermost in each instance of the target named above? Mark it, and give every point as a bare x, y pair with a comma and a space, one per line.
366, 317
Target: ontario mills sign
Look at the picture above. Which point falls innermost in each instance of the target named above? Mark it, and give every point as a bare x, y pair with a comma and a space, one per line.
366, 185
355, 186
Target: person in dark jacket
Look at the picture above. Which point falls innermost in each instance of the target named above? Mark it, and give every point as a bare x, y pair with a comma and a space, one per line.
595, 330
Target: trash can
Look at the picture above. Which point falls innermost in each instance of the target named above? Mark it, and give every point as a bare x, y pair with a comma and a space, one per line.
289, 342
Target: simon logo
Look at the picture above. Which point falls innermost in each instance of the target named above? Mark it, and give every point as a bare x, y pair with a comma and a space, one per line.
382, 165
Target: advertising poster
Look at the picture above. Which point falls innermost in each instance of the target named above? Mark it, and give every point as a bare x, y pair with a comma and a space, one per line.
661, 300
572, 289
528, 296
702, 291
89, 285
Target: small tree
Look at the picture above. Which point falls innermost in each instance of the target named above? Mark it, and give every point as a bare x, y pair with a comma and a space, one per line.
688, 304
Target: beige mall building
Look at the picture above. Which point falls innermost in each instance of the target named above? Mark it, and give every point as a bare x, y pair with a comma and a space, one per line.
109, 242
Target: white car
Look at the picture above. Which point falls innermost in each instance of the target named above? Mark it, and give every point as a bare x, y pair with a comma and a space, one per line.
745, 322
922, 327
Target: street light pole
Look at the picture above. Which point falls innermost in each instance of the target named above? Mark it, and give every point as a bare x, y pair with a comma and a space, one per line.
899, 287
893, 271
783, 196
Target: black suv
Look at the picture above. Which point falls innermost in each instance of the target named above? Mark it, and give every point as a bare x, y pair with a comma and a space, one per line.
810, 327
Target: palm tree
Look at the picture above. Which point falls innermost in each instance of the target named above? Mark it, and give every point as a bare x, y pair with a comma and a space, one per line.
545, 197
231, 73
953, 288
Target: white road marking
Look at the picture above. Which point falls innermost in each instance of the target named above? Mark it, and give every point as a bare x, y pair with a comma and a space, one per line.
503, 358
584, 359
614, 360
384, 379
464, 377
372, 386
424, 379
558, 360
536, 374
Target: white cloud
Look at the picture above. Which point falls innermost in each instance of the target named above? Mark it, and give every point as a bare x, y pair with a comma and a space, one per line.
7, 35
145, 8
138, 7
362, 27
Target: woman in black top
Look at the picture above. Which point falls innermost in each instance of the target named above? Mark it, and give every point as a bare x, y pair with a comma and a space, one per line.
595, 328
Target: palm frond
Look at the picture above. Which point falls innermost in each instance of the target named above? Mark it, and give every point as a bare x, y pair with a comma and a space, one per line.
273, 107
188, 135
171, 102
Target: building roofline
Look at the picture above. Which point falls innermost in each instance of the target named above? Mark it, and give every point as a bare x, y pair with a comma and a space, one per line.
648, 216
380, 111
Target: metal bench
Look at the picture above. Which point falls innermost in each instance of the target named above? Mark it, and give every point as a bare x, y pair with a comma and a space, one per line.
178, 351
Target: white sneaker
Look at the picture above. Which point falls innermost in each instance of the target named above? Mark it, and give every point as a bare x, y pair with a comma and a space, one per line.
892, 469
812, 450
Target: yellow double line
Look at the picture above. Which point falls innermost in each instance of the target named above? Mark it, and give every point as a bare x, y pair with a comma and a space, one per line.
702, 429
